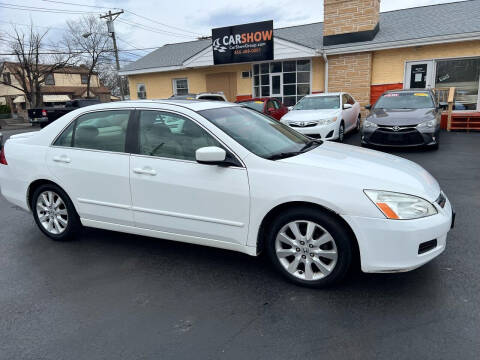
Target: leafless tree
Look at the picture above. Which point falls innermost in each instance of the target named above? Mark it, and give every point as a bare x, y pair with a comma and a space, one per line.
89, 37
32, 62
107, 74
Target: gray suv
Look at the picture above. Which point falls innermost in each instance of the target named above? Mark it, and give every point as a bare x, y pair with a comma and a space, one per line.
403, 118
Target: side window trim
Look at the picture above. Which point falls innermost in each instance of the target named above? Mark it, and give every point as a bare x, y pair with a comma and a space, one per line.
136, 135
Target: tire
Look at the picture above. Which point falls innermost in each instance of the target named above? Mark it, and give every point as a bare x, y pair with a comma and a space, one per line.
341, 132
359, 124
67, 225
329, 246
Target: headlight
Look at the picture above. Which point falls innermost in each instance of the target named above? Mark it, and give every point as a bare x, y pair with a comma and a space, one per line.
327, 121
368, 124
427, 124
400, 206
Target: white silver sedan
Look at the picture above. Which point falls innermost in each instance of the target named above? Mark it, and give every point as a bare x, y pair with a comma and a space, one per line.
327, 116
222, 175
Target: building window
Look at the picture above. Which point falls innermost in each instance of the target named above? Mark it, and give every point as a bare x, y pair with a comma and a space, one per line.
49, 79
180, 86
7, 79
464, 76
245, 74
84, 78
141, 91
295, 80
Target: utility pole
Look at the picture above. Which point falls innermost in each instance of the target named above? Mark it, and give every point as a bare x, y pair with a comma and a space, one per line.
111, 18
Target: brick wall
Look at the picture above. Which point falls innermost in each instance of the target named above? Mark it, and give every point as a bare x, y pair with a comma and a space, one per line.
346, 16
351, 73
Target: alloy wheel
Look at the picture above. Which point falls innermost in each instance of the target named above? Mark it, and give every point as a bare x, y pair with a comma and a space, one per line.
52, 212
306, 250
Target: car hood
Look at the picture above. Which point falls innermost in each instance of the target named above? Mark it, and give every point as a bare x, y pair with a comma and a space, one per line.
367, 169
400, 117
306, 115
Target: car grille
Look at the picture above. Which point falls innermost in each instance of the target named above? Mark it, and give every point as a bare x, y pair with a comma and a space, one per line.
303, 123
400, 136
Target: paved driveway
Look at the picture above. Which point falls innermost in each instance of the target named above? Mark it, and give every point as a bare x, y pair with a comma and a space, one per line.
115, 296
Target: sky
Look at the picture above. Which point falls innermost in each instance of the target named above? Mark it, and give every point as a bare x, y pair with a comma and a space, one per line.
151, 23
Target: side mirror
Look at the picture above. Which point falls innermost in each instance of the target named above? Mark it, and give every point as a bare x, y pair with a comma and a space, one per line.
211, 155
270, 110
290, 108
368, 107
347, 106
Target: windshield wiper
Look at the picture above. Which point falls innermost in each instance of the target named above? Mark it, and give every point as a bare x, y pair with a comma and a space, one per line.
310, 143
283, 155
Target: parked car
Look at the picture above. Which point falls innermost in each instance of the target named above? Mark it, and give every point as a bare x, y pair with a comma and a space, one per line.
220, 174
325, 116
202, 96
45, 115
403, 118
268, 106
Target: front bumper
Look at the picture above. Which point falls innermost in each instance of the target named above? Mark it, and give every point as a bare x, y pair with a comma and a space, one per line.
325, 132
404, 137
394, 245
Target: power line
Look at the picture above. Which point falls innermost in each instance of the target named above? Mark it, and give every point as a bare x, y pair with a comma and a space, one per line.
156, 22
69, 3
147, 28
46, 10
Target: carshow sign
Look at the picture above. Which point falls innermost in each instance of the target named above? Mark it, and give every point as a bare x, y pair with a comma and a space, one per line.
243, 43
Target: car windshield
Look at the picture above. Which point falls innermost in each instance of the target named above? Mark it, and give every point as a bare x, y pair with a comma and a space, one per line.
405, 100
318, 103
255, 105
258, 133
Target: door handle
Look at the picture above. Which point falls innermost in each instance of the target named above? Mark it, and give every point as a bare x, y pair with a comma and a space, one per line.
145, 171
62, 159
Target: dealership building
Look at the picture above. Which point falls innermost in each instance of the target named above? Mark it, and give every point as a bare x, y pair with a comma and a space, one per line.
356, 49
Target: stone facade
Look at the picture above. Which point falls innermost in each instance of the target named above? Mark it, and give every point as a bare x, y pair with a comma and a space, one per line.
351, 73
347, 16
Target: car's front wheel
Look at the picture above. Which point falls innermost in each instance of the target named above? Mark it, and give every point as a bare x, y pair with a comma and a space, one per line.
341, 132
310, 247
54, 213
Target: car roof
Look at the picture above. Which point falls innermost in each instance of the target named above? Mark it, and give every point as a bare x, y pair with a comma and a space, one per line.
195, 105
326, 94
409, 90
263, 99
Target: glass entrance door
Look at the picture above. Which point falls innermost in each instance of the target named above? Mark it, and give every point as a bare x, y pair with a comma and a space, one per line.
276, 85
419, 75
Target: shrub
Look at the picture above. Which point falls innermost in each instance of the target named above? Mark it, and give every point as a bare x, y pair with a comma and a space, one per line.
5, 109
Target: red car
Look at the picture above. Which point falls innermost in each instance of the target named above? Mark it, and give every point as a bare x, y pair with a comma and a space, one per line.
268, 106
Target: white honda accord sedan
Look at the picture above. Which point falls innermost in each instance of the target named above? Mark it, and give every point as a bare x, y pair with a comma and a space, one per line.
226, 176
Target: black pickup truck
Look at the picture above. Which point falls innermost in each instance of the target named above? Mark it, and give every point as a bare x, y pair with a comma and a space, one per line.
46, 115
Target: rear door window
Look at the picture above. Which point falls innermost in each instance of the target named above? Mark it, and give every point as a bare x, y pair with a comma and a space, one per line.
103, 130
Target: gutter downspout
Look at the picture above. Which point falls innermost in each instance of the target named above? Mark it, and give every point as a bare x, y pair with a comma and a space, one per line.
325, 60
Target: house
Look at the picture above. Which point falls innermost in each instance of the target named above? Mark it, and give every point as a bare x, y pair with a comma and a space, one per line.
60, 86
356, 49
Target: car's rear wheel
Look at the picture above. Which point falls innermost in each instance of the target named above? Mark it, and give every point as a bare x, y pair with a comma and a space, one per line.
310, 247
54, 213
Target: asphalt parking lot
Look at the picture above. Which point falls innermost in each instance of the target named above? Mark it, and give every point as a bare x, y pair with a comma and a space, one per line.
116, 296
